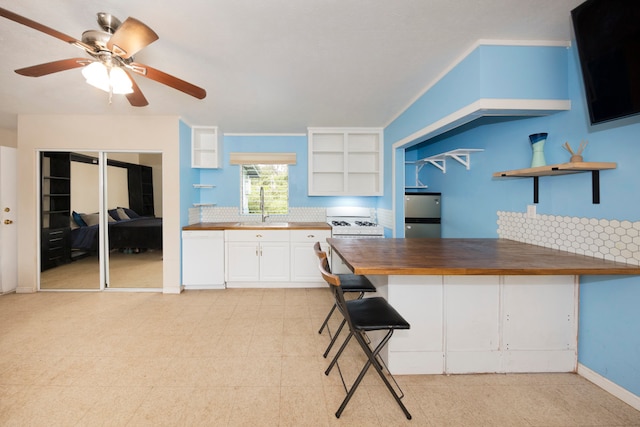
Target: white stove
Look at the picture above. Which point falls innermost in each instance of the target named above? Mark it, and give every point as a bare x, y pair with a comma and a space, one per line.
350, 222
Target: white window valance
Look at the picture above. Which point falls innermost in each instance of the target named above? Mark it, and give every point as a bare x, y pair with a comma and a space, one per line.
262, 158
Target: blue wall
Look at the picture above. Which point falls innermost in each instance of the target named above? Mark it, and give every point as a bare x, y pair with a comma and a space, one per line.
609, 342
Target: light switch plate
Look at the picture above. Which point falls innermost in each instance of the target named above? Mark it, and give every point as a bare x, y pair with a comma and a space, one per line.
531, 211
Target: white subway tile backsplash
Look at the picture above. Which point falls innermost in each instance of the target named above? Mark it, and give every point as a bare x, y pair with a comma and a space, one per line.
232, 214
385, 218
601, 238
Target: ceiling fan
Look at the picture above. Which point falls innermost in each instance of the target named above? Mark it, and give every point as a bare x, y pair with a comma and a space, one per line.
111, 57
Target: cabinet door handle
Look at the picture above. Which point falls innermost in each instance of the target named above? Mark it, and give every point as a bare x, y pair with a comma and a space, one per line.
311, 236
258, 235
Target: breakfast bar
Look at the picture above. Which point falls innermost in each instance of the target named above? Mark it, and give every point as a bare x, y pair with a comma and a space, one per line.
477, 305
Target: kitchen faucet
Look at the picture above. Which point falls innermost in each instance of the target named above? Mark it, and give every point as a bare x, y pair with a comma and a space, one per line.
264, 217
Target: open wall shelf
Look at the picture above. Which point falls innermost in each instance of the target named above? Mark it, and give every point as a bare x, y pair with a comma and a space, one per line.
561, 169
461, 155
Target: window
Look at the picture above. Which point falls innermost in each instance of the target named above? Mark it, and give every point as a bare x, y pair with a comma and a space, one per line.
274, 179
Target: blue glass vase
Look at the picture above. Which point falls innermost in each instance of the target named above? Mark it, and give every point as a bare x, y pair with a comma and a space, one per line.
537, 145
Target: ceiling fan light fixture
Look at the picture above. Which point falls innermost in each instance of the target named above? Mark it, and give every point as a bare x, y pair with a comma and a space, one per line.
120, 81
114, 80
97, 75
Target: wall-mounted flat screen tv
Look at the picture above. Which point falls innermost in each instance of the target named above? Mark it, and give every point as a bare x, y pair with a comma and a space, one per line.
608, 38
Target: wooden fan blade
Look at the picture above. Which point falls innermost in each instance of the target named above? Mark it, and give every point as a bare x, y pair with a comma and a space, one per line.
136, 99
43, 28
130, 38
53, 67
169, 80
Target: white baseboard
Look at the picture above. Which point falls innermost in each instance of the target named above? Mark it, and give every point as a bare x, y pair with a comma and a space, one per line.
275, 285
621, 393
202, 287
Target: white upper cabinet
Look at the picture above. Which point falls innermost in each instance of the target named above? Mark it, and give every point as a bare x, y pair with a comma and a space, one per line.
205, 147
345, 161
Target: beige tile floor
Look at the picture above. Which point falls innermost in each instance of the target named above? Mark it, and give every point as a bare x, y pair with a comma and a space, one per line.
239, 358
142, 270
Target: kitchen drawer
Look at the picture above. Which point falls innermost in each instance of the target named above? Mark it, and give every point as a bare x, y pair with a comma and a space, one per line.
310, 235
257, 235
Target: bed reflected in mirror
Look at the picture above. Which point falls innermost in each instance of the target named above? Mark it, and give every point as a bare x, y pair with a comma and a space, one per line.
135, 220
72, 253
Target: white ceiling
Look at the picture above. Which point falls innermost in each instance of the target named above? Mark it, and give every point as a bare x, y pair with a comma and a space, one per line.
268, 66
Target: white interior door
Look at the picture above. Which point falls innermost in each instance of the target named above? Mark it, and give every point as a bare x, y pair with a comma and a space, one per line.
8, 227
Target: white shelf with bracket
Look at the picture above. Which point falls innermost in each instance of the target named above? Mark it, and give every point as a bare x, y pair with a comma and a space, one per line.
419, 167
461, 155
200, 187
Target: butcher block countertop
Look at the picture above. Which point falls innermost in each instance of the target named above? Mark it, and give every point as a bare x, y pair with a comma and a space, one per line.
258, 226
432, 256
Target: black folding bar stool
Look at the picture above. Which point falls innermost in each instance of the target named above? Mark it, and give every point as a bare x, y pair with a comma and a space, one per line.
350, 283
362, 316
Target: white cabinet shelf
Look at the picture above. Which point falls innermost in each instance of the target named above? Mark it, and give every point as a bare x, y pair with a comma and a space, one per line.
203, 187
345, 161
205, 147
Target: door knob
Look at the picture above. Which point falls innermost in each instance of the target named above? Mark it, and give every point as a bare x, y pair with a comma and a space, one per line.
8, 221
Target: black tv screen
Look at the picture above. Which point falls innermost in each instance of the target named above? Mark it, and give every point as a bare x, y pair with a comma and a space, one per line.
608, 38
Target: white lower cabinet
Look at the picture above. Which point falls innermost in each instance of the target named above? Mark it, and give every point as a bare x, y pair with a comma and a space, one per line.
274, 261
242, 261
203, 259
482, 324
472, 323
256, 257
540, 324
251, 258
304, 263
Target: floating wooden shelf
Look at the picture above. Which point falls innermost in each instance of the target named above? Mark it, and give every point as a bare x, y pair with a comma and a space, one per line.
562, 169
559, 169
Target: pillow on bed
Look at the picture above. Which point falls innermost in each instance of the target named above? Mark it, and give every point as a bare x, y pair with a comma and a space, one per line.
91, 219
121, 214
113, 214
78, 219
72, 223
130, 213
